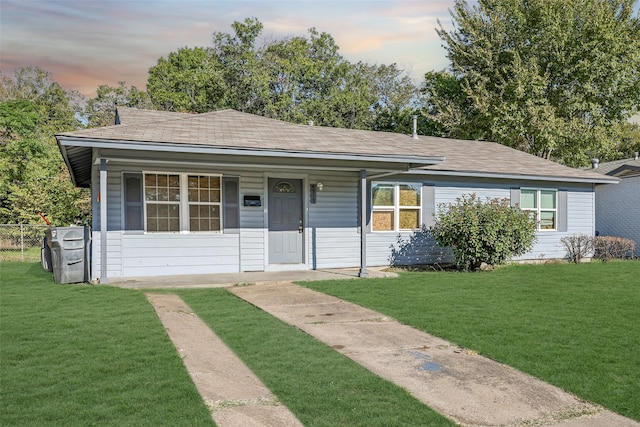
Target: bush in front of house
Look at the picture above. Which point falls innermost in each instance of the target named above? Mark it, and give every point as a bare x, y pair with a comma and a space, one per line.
607, 248
578, 246
483, 232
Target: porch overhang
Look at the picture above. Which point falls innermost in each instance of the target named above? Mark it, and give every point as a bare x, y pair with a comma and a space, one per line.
77, 153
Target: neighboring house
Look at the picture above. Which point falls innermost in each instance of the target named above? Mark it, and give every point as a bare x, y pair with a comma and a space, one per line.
227, 191
618, 206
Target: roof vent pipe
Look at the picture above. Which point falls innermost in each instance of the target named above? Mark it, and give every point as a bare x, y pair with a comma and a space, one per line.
415, 127
594, 163
635, 156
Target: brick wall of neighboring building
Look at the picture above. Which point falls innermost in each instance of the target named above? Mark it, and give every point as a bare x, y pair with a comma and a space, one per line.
618, 210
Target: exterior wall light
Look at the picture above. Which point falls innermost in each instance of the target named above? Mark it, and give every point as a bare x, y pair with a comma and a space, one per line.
319, 186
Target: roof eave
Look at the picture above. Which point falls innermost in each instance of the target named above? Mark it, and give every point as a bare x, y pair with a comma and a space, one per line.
65, 157
410, 161
493, 175
624, 170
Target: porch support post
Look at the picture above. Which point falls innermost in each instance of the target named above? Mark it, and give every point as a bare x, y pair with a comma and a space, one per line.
363, 223
103, 221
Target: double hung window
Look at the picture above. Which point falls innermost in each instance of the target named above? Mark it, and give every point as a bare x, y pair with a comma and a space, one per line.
204, 203
542, 204
162, 199
180, 202
396, 206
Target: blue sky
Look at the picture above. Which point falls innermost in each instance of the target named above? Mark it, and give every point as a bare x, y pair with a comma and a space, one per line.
86, 43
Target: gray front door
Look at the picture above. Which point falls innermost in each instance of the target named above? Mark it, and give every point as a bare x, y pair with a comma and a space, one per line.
285, 221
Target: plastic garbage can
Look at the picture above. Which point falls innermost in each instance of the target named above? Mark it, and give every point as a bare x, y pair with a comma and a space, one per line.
45, 255
67, 253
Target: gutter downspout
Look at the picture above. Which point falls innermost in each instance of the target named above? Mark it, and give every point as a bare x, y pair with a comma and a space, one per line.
363, 224
103, 221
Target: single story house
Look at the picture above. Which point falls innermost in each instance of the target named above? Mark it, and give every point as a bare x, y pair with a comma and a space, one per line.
227, 191
618, 206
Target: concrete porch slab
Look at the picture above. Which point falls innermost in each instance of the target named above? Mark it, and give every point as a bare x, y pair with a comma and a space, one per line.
230, 279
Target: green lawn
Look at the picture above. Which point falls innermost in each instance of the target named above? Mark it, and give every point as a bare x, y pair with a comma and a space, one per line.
16, 255
87, 355
83, 355
80, 354
319, 385
576, 326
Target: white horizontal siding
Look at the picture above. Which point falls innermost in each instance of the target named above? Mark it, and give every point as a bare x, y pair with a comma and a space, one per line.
170, 254
114, 255
155, 254
336, 247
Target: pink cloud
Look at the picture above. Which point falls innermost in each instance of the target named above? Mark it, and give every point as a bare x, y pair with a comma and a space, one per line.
86, 43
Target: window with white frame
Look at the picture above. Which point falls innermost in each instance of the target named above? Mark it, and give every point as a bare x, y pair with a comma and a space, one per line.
204, 203
162, 201
395, 206
182, 202
542, 205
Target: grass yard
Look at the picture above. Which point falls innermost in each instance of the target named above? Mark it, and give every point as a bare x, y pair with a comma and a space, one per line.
575, 326
15, 255
78, 355
92, 355
319, 385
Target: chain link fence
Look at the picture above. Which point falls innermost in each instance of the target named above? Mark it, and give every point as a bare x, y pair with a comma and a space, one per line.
21, 242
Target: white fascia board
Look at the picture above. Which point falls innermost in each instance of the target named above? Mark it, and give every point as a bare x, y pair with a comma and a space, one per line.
259, 166
414, 161
512, 176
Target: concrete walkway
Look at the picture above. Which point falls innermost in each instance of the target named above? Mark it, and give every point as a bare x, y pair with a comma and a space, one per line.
469, 389
233, 394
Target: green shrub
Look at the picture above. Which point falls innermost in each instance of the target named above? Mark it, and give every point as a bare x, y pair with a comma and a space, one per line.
489, 232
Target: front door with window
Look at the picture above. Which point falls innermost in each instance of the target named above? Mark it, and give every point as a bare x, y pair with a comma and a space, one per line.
285, 221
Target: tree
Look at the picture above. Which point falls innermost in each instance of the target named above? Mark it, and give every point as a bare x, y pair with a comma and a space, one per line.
398, 99
552, 78
311, 81
189, 80
247, 86
297, 79
37, 85
628, 137
33, 176
99, 111
489, 232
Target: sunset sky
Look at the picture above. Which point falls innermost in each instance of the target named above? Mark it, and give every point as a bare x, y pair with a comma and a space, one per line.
86, 43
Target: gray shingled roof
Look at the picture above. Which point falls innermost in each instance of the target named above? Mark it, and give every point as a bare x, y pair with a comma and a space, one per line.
230, 129
619, 168
128, 115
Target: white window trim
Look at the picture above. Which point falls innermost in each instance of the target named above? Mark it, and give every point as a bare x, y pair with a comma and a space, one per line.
183, 203
539, 208
396, 208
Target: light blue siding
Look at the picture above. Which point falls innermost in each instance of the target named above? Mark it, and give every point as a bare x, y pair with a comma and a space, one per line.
332, 232
252, 223
333, 222
412, 248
